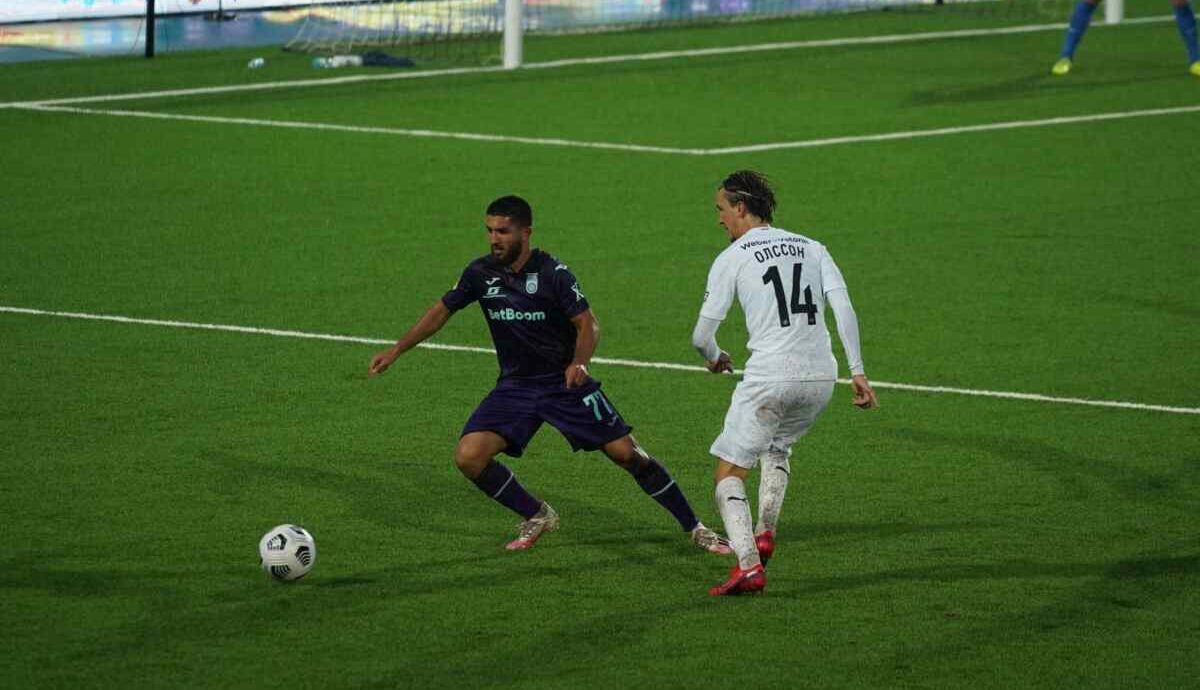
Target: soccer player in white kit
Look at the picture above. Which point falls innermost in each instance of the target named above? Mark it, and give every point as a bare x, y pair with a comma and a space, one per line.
784, 282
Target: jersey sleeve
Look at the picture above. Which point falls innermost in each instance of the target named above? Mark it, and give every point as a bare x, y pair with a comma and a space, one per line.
720, 289
831, 275
847, 325
463, 293
567, 294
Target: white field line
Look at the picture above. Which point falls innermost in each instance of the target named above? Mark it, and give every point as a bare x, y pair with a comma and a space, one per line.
599, 360
418, 133
636, 148
945, 131
555, 64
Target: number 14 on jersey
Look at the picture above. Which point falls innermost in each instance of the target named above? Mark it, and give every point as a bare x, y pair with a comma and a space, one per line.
793, 306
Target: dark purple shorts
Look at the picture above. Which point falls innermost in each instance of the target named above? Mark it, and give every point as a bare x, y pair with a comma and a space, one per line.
583, 415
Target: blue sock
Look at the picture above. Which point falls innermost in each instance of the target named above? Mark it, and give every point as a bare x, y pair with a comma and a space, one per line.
501, 485
1080, 18
658, 484
1186, 20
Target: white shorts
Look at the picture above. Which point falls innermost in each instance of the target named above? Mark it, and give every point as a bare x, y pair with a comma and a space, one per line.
769, 416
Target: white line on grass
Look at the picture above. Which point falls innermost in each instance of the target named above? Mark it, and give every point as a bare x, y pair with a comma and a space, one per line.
599, 360
945, 131
571, 62
636, 148
419, 133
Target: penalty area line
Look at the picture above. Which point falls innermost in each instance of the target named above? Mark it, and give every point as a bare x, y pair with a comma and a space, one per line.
359, 129
284, 333
635, 148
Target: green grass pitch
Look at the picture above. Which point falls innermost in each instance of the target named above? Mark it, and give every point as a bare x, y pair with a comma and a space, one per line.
940, 541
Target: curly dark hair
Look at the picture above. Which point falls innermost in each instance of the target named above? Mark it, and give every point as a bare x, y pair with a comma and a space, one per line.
513, 207
753, 189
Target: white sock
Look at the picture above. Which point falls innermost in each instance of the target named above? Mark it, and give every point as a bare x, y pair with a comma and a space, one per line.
772, 487
735, 511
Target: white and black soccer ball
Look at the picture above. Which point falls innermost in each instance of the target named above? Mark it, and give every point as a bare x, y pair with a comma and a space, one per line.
287, 552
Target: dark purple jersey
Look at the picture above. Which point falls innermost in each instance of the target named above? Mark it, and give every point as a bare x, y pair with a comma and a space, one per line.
529, 313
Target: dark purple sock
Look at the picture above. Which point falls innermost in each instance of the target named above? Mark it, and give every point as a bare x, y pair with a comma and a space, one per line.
658, 484
501, 485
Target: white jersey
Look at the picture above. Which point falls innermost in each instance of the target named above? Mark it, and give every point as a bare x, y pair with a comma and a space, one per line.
781, 280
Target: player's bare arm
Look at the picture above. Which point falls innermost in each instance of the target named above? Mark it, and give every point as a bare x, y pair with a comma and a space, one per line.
430, 322
587, 334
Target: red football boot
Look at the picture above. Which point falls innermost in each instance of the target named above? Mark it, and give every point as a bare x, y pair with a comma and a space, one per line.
740, 581
766, 545
529, 531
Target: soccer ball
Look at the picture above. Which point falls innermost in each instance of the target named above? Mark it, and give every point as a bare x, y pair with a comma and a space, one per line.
287, 552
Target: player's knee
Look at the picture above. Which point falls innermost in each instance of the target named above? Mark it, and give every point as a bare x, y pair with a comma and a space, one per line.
629, 463
727, 469
470, 459
626, 454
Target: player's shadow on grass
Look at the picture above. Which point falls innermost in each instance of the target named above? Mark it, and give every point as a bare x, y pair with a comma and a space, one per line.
1039, 84
807, 534
49, 577
1168, 305
1080, 477
593, 539
1124, 569
535, 568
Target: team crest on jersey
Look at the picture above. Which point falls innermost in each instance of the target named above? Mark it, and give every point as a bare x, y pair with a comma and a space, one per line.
531, 283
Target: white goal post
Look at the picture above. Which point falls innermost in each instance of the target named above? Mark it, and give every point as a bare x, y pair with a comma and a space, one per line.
514, 37
1114, 11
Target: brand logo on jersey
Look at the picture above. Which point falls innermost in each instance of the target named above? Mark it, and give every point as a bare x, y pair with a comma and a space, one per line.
705, 296
531, 282
493, 291
578, 294
511, 314
492, 281
770, 240
560, 267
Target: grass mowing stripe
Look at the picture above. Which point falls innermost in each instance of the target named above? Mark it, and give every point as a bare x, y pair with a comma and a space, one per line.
827, 43
572, 62
283, 333
634, 148
261, 86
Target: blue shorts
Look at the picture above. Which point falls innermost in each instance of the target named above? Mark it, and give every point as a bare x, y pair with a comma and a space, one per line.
515, 411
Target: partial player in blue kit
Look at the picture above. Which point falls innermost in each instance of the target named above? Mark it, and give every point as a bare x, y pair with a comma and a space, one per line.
544, 333
1081, 17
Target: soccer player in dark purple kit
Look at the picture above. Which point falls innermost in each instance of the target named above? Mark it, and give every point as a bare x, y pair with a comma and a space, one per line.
545, 333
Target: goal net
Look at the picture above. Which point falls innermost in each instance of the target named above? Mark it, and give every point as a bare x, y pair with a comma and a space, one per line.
453, 31
471, 31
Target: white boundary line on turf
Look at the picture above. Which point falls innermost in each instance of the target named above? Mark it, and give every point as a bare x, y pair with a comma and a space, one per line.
636, 148
395, 131
599, 360
571, 62
944, 131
